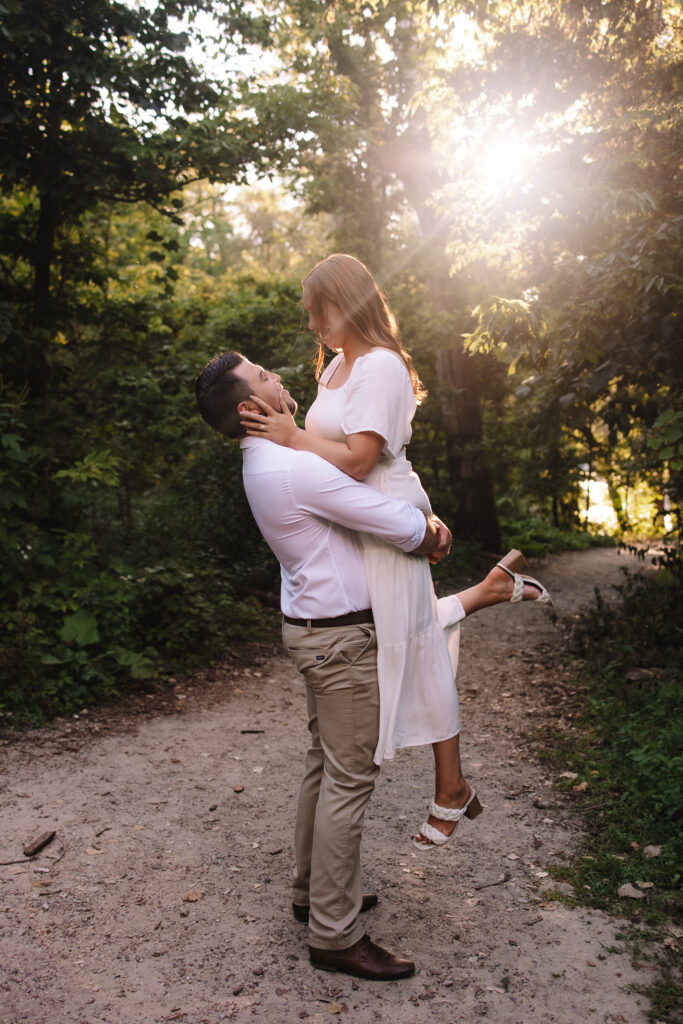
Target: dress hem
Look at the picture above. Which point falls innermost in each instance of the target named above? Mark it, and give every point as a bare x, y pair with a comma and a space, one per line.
404, 745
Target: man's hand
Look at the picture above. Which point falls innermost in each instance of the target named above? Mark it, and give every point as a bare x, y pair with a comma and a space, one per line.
445, 539
436, 542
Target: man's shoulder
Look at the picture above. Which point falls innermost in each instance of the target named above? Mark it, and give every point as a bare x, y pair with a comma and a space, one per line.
259, 455
266, 456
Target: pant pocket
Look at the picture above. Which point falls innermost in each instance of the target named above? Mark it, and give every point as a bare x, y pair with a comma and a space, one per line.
351, 651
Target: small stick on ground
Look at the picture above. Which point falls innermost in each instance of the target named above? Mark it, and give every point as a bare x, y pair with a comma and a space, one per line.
31, 849
487, 885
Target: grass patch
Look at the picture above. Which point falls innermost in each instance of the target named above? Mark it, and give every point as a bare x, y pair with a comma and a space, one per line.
628, 760
538, 537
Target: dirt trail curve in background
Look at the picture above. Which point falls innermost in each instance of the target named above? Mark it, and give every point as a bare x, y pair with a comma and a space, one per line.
165, 893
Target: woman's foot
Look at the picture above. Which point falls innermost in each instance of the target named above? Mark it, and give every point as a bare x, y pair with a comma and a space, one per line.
524, 588
464, 797
504, 583
501, 587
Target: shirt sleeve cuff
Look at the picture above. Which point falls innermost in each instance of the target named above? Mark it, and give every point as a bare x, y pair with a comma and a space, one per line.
420, 531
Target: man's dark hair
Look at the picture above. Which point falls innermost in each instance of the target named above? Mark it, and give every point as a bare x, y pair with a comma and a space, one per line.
219, 392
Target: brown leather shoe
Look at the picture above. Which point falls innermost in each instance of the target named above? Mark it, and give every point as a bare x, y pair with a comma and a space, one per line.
300, 910
364, 959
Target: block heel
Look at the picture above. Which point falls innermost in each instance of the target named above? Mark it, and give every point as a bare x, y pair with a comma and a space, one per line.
513, 561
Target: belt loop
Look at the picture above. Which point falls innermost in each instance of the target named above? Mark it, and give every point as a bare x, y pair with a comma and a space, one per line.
308, 626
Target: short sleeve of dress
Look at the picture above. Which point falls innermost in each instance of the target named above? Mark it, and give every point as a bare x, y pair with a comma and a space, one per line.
380, 399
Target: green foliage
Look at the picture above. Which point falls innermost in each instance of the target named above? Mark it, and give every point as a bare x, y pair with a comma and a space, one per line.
114, 566
128, 626
666, 438
634, 654
629, 753
102, 99
129, 545
577, 240
125, 583
538, 537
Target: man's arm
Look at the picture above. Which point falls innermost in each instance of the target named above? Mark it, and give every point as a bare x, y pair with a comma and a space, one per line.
324, 491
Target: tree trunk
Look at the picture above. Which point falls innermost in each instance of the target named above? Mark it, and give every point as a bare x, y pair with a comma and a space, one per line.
617, 503
42, 266
475, 515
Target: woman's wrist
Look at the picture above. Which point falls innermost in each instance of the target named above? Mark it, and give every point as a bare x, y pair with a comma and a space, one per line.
298, 440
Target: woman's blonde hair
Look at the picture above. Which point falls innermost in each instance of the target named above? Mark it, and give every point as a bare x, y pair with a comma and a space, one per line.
346, 282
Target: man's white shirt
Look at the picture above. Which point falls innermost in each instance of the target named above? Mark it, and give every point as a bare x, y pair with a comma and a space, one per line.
306, 510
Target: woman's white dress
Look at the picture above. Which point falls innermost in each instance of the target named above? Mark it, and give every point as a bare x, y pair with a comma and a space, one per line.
417, 635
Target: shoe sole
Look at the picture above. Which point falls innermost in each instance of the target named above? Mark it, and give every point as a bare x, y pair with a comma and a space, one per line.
331, 969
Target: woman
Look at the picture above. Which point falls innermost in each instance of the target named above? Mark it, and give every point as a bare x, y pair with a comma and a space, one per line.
360, 422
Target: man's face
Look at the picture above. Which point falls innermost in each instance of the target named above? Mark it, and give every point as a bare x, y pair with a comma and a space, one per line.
264, 384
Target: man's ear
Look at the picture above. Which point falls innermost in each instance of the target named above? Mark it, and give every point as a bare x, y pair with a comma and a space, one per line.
247, 406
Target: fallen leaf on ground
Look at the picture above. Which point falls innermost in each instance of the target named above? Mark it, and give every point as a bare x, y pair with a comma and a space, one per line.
645, 885
92, 851
630, 891
337, 1008
652, 851
569, 775
581, 788
193, 895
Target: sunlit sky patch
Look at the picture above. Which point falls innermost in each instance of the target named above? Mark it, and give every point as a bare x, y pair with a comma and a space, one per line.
504, 160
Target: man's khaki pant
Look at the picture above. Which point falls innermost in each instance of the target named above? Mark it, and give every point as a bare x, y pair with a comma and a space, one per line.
339, 666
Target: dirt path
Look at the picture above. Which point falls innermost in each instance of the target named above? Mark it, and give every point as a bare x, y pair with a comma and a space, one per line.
99, 927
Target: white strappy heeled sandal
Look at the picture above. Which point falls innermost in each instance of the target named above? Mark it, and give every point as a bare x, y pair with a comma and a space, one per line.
435, 838
516, 560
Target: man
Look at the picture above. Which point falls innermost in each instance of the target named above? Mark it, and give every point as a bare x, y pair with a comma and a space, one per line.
307, 509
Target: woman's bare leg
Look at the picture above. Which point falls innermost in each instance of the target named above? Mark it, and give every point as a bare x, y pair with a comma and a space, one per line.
450, 785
